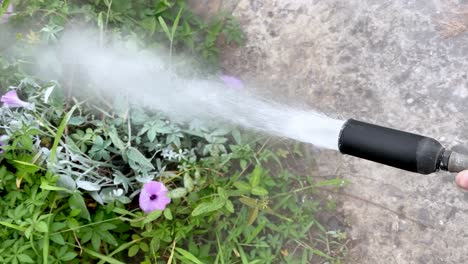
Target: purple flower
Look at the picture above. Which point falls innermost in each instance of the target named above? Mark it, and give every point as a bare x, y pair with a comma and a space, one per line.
153, 197
232, 82
10, 99
8, 12
1, 147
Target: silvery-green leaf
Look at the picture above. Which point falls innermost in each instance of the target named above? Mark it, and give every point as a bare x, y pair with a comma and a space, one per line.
136, 156
119, 178
207, 207
67, 182
177, 193
237, 136
220, 132
124, 199
107, 195
89, 186
144, 177
135, 193
76, 121
188, 182
76, 201
118, 143
48, 92
118, 192
97, 197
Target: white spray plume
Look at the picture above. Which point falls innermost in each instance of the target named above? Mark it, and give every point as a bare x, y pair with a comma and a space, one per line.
146, 79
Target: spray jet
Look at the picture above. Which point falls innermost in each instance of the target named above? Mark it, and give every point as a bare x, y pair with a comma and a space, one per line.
398, 149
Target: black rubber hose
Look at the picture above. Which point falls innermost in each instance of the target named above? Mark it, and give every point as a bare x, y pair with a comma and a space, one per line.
391, 147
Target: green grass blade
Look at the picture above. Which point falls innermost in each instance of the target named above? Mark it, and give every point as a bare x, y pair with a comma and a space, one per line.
121, 248
165, 28
45, 249
102, 257
4, 7
188, 256
17, 227
242, 255
176, 24
59, 133
220, 249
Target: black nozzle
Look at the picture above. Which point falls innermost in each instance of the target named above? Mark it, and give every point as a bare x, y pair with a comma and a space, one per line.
392, 147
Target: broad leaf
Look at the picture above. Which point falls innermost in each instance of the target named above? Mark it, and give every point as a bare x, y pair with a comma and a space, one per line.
207, 207
76, 201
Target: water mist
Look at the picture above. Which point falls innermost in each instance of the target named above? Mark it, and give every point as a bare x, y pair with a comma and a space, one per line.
164, 84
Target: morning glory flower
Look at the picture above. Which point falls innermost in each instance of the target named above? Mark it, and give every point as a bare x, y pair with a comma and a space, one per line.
153, 197
8, 12
11, 100
232, 82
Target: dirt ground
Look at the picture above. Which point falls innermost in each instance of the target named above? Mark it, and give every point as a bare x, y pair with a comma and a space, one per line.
401, 64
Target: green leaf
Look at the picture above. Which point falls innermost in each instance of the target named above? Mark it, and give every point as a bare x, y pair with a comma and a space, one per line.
72, 223
107, 237
25, 258
96, 241
152, 216
144, 247
100, 21
243, 164
168, 214
242, 255
259, 191
254, 178
13, 226
252, 215
165, 28
229, 206
222, 193
177, 193
188, 256
249, 201
123, 212
41, 227
133, 250
123, 247
207, 207
242, 186
152, 134
176, 23
118, 143
57, 238
33, 166
75, 212
107, 226
69, 256
5, 5
101, 256
59, 133
188, 182
46, 186
136, 156
76, 201
237, 136
333, 182
76, 120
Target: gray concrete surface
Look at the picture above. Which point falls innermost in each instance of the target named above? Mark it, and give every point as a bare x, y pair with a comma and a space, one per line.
402, 64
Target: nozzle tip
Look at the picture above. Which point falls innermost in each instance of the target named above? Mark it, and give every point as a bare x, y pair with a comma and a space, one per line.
457, 162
